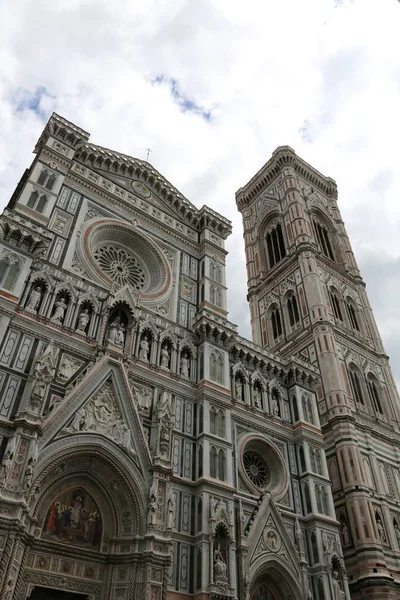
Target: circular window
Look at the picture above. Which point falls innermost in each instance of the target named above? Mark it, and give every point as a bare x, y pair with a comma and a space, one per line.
255, 468
120, 266
262, 465
116, 252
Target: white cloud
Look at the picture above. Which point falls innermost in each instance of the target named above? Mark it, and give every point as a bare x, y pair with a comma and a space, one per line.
322, 76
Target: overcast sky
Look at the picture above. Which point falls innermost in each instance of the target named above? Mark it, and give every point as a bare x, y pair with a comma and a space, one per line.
213, 87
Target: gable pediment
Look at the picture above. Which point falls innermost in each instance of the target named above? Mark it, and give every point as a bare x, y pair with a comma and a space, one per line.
268, 536
101, 405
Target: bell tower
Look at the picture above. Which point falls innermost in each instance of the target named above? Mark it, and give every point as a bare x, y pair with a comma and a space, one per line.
307, 299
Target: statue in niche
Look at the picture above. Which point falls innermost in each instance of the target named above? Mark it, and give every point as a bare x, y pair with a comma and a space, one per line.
164, 417
121, 335
83, 320
113, 331
171, 509
60, 308
116, 332
275, 406
344, 531
5, 469
220, 568
257, 397
34, 299
381, 529
151, 513
238, 389
144, 349
338, 593
185, 362
165, 357
28, 476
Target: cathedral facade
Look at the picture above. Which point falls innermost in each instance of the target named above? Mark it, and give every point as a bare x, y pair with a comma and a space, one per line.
148, 451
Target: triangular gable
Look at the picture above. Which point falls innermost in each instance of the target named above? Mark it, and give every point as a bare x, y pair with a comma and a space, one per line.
268, 536
101, 404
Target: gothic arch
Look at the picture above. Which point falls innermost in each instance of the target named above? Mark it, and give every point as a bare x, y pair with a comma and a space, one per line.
276, 574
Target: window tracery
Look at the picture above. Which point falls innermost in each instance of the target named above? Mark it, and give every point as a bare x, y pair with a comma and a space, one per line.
9, 271
323, 238
275, 245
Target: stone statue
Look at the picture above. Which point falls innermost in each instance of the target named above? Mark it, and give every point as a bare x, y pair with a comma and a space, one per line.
28, 476
39, 386
338, 593
121, 335
144, 349
151, 514
275, 407
59, 312
171, 509
83, 320
34, 299
113, 331
381, 530
185, 365
165, 357
79, 420
309, 592
345, 533
220, 567
238, 389
257, 397
5, 469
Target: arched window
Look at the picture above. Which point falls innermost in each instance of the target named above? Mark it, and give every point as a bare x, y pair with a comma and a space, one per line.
320, 590
374, 394
318, 461
312, 460
218, 297
295, 409
324, 498
221, 423
356, 385
314, 547
302, 459
213, 462
317, 491
335, 302
322, 236
276, 322
198, 568
50, 182
293, 310
200, 461
41, 204
9, 272
352, 314
307, 498
212, 294
306, 405
221, 465
42, 177
213, 420
199, 514
200, 419
217, 367
32, 199
47, 179
275, 246
215, 272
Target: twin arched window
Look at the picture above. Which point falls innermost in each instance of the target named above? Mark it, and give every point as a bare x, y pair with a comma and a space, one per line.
217, 367
321, 496
275, 245
215, 272
306, 405
217, 463
9, 272
36, 201
358, 388
374, 394
322, 236
315, 459
47, 179
217, 421
356, 385
215, 296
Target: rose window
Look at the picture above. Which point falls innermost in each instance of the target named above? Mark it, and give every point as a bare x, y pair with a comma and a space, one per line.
256, 469
120, 266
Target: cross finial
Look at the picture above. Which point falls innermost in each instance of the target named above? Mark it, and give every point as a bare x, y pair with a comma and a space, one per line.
148, 152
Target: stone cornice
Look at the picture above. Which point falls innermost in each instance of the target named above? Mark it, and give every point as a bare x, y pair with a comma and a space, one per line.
282, 157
